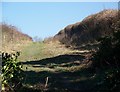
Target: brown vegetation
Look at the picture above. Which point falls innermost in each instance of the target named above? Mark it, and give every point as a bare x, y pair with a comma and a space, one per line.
89, 30
11, 37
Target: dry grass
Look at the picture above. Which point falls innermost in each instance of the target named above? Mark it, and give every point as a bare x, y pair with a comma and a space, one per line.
54, 60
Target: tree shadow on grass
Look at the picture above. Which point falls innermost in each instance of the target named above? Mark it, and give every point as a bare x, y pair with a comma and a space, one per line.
79, 80
56, 60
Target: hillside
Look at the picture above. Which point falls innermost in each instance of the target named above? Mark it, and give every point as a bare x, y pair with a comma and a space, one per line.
11, 37
89, 29
48, 66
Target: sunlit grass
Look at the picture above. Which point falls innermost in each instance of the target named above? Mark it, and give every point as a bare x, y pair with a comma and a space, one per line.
33, 51
37, 72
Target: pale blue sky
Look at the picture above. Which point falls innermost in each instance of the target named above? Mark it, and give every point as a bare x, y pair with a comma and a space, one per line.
44, 19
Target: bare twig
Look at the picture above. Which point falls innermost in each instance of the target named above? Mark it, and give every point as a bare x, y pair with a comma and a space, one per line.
46, 83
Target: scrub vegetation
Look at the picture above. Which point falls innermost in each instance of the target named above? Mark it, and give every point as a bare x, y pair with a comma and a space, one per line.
56, 66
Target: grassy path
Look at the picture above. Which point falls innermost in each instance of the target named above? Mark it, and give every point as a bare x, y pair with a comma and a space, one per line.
32, 52
64, 68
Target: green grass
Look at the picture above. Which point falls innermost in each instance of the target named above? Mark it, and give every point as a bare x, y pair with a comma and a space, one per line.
55, 62
34, 51
62, 66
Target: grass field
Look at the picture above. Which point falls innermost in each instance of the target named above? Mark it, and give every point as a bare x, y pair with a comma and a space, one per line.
64, 69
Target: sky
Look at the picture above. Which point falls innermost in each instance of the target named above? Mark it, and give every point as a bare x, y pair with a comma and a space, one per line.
45, 19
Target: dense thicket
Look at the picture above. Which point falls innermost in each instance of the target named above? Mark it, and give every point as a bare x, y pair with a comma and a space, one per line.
89, 30
107, 58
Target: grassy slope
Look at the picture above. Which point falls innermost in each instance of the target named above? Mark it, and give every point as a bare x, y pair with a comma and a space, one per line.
65, 68
40, 50
31, 52
12, 39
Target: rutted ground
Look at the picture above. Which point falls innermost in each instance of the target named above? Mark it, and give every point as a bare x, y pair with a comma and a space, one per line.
66, 69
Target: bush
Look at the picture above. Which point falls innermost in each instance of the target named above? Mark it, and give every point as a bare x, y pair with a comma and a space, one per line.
108, 53
107, 58
112, 80
12, 73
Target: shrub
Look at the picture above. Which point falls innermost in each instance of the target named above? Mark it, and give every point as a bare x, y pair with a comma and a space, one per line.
107, 58
112, 80
12, 73
109, 51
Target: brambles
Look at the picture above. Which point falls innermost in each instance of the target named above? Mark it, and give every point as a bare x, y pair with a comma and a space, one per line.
12, 73
107, 59
109, 51
112, 80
